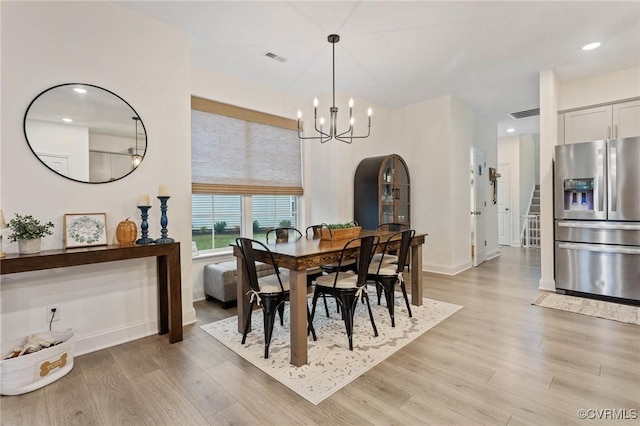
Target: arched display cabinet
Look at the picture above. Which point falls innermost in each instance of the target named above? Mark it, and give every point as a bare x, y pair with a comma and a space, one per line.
382, 192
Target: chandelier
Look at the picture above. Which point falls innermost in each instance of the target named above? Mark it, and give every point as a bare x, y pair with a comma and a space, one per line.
346, 136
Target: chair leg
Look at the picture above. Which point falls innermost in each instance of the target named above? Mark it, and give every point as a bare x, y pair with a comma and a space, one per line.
269, 316
389, 296
314, 300
281, 314
378, 290
326, 307
310, 325
347, 302
373, 323
247, 323
406, 299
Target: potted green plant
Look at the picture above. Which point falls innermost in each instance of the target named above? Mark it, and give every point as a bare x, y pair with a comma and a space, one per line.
28, 231
339, 231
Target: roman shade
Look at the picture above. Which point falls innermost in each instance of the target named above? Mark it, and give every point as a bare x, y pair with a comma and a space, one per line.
239, 151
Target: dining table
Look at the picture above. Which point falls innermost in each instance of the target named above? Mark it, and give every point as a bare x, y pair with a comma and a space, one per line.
306, 253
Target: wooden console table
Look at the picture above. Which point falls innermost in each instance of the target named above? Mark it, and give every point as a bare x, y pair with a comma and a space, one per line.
169, 274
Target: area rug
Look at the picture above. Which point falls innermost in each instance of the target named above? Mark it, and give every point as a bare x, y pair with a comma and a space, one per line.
331, 364
591, 307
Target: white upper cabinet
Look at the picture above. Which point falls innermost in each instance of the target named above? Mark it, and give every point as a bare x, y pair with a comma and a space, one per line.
613, 121
626, 119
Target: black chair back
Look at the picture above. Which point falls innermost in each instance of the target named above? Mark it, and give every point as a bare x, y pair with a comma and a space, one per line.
393, 227
367, 248
315, 231
405, 243
246, 248
283, 234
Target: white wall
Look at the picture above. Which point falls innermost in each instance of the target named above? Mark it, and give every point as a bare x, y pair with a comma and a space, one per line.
434, 137
462, 121
147, 63
599, 89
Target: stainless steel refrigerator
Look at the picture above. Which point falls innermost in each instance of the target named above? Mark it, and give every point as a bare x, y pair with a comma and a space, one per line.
597, 218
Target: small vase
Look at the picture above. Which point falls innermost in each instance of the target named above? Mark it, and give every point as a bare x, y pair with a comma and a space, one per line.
29, 246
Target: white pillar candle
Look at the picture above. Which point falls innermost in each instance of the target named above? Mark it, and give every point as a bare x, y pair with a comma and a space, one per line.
143, 200
163, 191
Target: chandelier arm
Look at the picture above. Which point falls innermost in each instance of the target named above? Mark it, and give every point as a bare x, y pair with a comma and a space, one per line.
344, 140
356, 137
309, 137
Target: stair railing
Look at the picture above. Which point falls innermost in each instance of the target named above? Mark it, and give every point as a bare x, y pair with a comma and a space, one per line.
531, 231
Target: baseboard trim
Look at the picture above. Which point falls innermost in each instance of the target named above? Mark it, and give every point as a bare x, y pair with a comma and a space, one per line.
547, 285
446, 270
493, 254
117, 336
199, 295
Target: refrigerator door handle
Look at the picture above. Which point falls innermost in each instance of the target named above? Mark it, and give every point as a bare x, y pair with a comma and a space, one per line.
600, 225
600, 184
600, 248
613, 178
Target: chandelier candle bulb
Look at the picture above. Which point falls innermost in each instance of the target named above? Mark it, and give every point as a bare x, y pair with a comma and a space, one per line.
163, 191
143, 200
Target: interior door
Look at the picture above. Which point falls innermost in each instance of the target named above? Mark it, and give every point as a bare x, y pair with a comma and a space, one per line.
504, 203
479, 173
57, 163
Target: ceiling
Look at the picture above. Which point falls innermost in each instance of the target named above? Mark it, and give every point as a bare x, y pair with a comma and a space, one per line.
394, 53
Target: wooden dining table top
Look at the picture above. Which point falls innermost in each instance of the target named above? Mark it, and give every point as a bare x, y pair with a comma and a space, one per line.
305, 253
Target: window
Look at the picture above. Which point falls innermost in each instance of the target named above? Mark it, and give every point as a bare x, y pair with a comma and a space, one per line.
246, 173
217, 219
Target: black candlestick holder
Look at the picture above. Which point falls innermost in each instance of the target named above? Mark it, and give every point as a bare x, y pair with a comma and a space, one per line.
163, 222
144, 226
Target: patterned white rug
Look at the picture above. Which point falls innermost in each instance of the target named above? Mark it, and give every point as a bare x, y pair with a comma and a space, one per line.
591, 307
331, 365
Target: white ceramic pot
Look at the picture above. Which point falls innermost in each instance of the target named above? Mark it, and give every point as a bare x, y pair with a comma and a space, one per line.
29, 246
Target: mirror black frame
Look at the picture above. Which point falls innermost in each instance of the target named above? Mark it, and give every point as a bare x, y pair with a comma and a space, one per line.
135, 117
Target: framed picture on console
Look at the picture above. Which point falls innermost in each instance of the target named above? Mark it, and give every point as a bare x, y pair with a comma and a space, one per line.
85, 229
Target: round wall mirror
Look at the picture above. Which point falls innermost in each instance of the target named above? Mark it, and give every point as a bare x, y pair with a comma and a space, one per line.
85, 133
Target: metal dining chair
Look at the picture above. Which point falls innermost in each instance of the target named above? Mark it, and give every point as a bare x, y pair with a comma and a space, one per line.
287, 234
346, 287
387, 276
269, 292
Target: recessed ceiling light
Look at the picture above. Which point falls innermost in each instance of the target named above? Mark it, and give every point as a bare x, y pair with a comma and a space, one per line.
80, 90
511, 130
67, 120
591, 46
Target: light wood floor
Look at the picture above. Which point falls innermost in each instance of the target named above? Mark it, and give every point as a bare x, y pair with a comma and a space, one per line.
498, 361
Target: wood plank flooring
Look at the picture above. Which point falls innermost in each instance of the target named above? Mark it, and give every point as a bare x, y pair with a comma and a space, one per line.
498, 361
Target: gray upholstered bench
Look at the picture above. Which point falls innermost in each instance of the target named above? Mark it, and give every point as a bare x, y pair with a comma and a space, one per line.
220, 281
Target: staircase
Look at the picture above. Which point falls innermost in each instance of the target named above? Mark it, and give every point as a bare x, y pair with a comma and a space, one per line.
531, 231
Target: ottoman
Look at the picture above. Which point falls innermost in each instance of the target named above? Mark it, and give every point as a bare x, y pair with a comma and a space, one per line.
220, 281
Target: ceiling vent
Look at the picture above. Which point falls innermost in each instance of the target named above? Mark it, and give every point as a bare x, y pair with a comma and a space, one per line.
524, 114
274, 56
